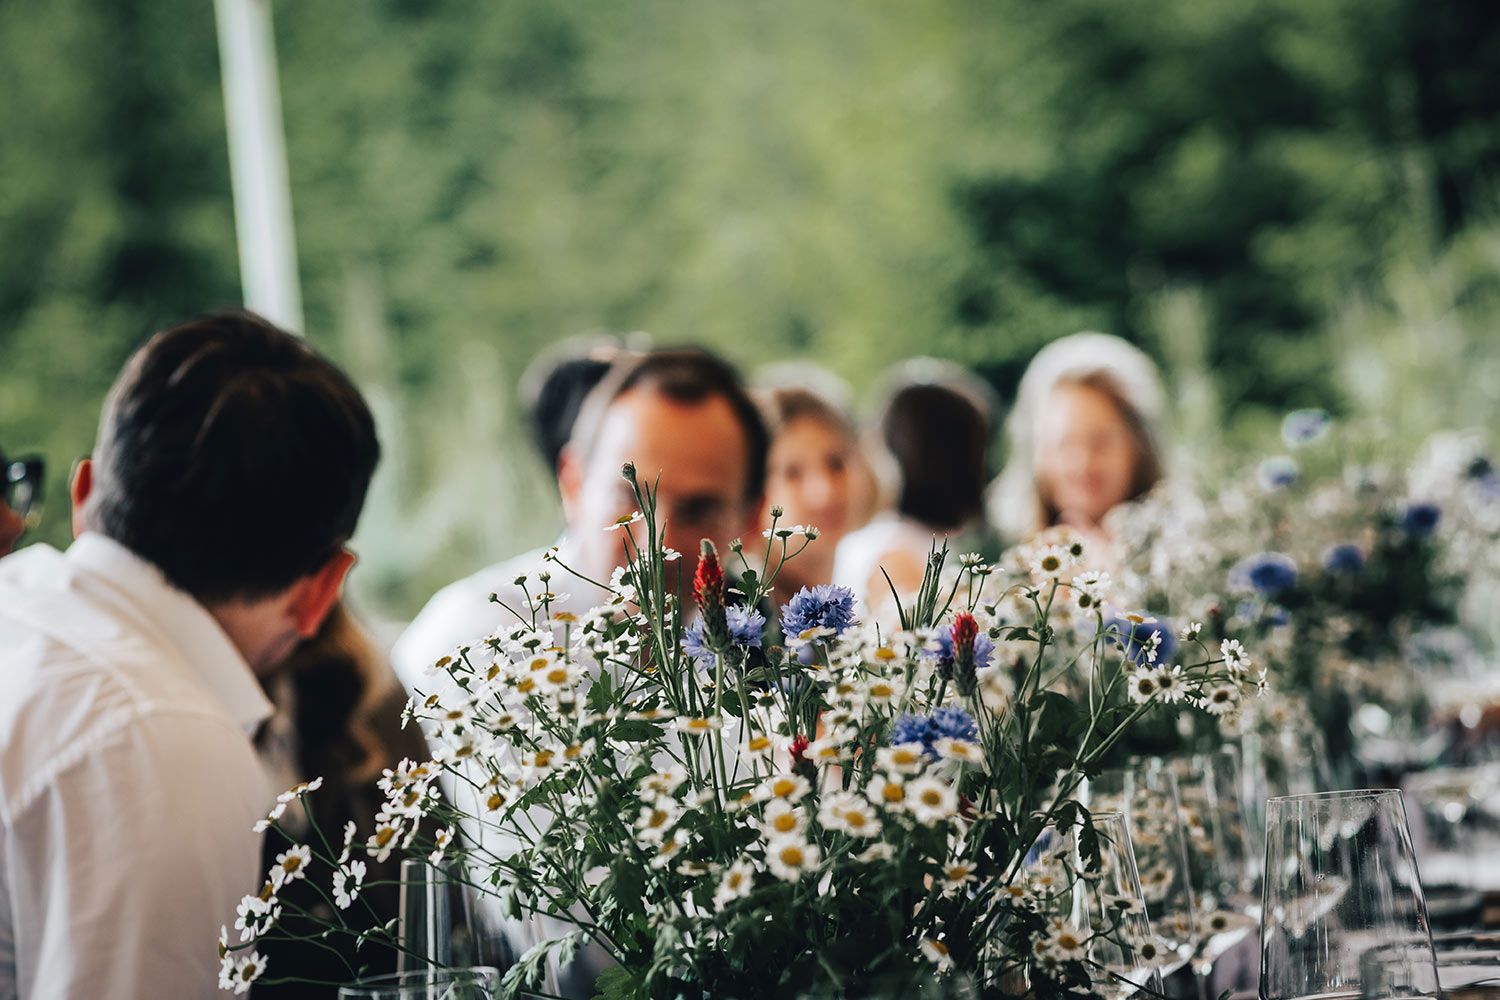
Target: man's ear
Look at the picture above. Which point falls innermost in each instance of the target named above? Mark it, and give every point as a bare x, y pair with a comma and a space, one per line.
569, 481
80, 488
314, 596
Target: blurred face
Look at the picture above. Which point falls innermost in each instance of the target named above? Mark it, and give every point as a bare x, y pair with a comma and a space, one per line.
11, 526
1086, 453
809, 475
699, 452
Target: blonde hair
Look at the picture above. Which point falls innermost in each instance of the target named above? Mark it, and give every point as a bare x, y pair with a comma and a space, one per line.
1106, 364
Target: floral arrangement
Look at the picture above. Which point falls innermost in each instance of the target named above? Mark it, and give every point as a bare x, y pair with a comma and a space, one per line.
731, 800
1346, 572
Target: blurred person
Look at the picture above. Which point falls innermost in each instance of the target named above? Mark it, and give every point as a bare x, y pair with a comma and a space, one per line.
228, 474
817, 474
556, 384
20, 491
337, 716
689, 425
1085, 436
935, 429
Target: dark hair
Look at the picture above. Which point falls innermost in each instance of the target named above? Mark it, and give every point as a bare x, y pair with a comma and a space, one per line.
555, 386
232, 456
939, 438
686, 375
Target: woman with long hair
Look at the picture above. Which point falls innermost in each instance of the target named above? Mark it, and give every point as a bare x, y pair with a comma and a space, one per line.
1085, 436
934, 432
816, 473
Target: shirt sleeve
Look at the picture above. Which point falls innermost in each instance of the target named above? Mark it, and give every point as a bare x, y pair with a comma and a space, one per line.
123, 869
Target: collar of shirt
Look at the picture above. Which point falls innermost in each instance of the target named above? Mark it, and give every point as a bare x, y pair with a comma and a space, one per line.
181, 620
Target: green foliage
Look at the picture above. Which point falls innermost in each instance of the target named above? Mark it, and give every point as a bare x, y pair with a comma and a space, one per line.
1263, 194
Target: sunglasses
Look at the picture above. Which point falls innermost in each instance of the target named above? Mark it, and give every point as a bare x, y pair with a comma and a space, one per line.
21, 481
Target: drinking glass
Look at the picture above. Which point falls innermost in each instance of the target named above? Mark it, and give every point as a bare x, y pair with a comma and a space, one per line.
476, 983
1343, 913
1221, 865
1107, 911
1146, 794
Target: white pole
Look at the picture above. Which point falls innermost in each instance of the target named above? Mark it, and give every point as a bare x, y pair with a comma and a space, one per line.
257, 162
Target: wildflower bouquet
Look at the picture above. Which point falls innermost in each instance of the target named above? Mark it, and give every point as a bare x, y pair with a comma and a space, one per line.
1343, 570
720, 800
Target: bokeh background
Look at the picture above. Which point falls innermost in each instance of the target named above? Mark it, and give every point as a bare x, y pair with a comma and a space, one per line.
1286, 202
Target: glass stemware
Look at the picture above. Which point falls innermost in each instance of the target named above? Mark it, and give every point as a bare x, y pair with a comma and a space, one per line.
1343, 913
1146, 794
1221, 865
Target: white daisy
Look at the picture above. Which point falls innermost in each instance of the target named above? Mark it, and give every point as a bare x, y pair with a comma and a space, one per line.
791, 787
1142, 686
931, 801
1050, 561
349, 830
1190, 632
635, 517
782, 819
964, 751
652, 824
1170, 687
887, 791
877, 853
346, 883
1066, 944
903, 758
738, 880
829, 750
1235, 657
440, 842
664, 782
247, 970
291, 865
848, 812
789, 858
254, 916
697, 725
956, 875
1221, 700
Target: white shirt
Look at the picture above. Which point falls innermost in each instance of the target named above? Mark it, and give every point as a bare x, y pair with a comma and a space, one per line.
128, 783
463, 614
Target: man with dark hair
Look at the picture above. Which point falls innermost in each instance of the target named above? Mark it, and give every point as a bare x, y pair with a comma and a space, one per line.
230, 468
555, 386
684, 418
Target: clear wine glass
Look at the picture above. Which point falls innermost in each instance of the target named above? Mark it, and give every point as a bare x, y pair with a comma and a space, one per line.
1112, 909
1343, 913
1146, 794
1221, 865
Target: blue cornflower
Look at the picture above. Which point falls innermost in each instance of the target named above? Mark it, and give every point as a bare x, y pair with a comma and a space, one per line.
1133, 635
746, 629
1302, 427
1266, 573
953, 723
1277, 472
1346, 557
824, 606
1421, 519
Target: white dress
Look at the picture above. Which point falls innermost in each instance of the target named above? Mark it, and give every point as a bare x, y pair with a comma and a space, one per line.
857, 563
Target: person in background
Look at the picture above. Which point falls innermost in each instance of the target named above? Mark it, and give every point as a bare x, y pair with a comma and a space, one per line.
229, 472
20, 491
817, 474
1084, 437
935, 429
555, 386
338, 717
689, 425
712, 482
